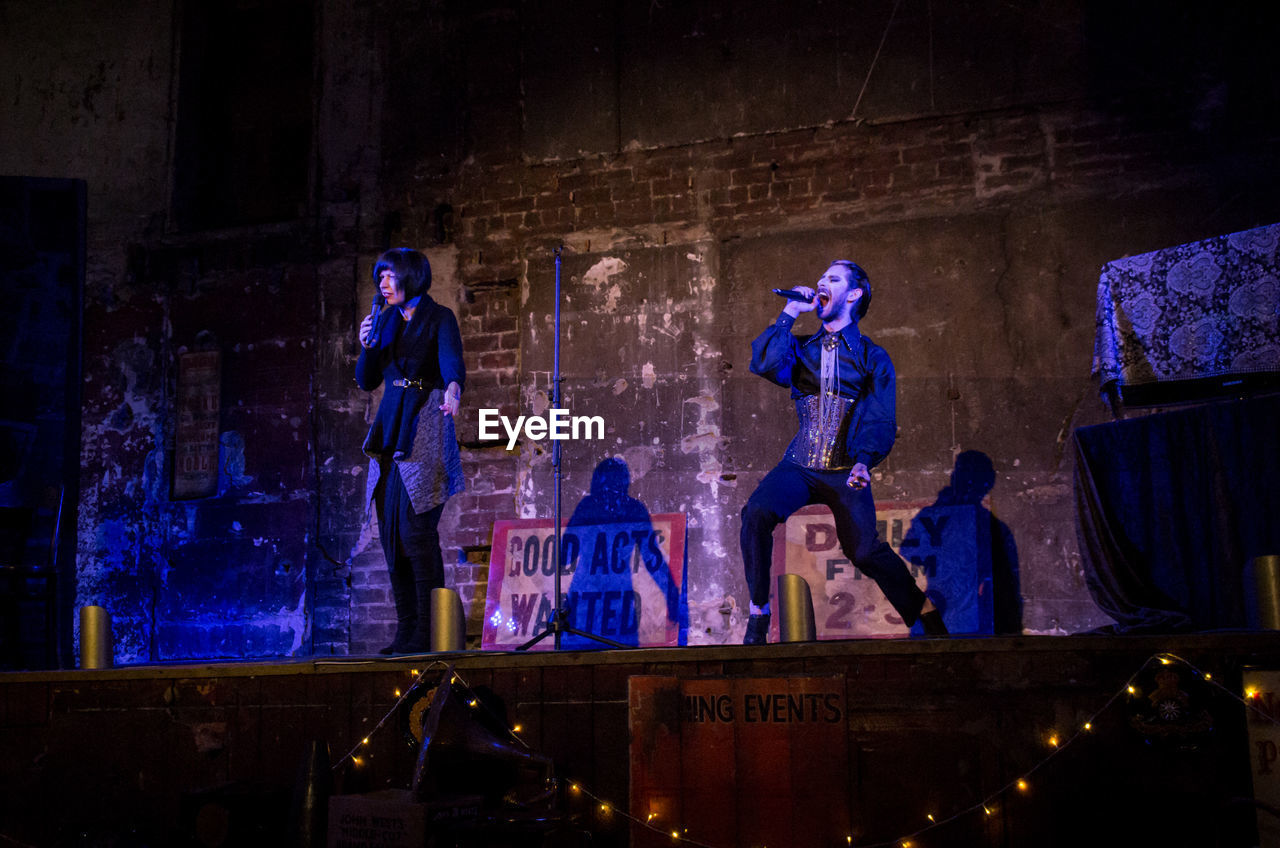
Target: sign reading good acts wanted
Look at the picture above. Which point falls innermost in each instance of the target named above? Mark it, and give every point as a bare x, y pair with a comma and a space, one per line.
623, 581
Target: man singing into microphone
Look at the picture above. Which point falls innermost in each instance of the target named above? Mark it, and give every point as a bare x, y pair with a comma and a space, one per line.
843, 388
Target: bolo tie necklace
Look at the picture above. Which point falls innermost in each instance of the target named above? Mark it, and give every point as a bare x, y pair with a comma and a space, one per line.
829, 409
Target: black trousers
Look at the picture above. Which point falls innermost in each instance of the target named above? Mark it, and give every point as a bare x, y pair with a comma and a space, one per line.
411, 547
787, 488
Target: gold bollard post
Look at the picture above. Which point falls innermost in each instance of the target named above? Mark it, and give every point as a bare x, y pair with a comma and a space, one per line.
95, 638
1266, 577
795, 606
448, 624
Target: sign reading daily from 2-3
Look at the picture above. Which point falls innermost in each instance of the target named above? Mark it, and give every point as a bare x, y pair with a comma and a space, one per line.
623, 581
947, 548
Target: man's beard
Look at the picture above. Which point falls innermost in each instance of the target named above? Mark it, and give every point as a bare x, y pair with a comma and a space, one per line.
832, 311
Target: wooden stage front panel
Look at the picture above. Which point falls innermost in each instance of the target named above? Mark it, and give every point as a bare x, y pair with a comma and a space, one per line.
830, 743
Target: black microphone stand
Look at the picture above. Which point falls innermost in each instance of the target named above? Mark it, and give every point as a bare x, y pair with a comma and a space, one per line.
558, 623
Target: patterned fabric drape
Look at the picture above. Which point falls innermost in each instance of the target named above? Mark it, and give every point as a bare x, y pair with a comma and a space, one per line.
1204, 309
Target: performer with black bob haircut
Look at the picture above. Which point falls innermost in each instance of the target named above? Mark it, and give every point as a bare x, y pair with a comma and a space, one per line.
410, 345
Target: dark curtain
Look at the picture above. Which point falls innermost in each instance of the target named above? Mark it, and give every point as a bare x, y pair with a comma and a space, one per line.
1172, 507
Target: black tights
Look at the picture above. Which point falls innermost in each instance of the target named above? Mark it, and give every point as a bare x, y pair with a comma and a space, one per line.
411, 546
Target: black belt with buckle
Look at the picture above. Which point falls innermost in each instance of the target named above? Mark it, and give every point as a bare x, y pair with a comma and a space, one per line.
408, 384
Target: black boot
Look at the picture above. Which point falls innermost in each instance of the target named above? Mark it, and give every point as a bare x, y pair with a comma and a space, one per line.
419, 641
404, 630
931, 622
757, 629
402, 593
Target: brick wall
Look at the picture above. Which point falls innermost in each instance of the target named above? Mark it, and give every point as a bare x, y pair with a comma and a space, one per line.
843, 175
840, 174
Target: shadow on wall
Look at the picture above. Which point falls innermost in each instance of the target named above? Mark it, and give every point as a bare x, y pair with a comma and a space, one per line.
609, 536
950, 549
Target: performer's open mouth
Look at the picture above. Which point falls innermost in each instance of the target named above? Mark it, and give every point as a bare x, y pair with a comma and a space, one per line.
823, 299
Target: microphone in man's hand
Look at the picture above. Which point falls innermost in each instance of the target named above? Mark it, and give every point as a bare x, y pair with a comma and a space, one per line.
793, 295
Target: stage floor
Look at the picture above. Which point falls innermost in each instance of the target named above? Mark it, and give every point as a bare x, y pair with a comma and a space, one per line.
1226, 642
797, 744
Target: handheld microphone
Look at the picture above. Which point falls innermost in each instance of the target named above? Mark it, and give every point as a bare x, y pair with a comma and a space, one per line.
793, 295
375, 312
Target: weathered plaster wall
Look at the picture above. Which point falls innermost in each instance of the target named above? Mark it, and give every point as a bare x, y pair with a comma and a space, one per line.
262, 567
979, 160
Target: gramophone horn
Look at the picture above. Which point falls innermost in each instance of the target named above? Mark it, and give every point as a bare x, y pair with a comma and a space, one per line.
467, 751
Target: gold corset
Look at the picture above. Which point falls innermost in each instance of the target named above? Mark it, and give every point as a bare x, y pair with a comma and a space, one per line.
820, 444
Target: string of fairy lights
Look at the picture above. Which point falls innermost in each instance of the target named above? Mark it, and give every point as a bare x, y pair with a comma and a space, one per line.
988, 806
603, 806
353, 755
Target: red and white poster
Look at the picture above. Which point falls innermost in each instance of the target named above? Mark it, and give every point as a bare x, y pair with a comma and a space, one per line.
622, 581
947, 548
